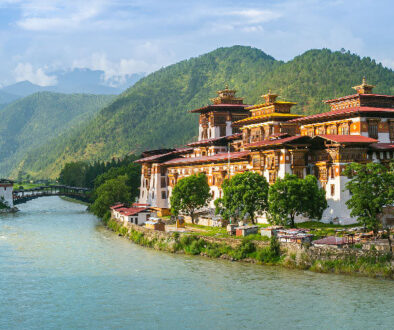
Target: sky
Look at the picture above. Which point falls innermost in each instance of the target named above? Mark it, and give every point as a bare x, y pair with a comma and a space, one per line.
122, 37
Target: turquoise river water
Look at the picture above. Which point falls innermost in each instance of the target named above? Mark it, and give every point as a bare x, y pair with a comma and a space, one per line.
61, 269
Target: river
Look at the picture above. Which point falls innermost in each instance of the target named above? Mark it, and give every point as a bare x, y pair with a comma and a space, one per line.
61, 269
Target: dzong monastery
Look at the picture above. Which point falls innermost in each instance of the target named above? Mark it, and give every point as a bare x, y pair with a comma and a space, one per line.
267, 138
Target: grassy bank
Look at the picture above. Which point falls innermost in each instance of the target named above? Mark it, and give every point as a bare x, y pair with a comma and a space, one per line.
74, 200
248, 251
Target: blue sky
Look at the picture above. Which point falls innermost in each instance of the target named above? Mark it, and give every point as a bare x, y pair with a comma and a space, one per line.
124, 36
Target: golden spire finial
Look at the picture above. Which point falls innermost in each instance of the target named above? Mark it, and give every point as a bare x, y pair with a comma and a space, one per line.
269, 97
364, 88
226, 86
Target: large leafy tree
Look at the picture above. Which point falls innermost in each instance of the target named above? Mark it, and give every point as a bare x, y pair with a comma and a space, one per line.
244, 193
73, 174
109, 193
292, 196
190, 194
372, 188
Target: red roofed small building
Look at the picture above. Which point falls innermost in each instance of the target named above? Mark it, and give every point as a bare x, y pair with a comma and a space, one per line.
267, 138
137, 215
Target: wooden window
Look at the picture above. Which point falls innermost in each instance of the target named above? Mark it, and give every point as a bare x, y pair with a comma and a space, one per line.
345, 129
373, 129
332, 189
391, 129
272, 177
222, 130
163, 195
331, 172
163, 182
256, 162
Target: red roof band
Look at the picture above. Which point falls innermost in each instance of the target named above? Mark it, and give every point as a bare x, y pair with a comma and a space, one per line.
222, 106
347, 138
354, 110
157, 157
277, 141
209, 141
131, 210
208, 159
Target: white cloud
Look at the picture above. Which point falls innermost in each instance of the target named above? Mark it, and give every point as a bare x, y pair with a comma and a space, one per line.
253, 28
115, 72
254, 16
55, 15
245, 20
25, 71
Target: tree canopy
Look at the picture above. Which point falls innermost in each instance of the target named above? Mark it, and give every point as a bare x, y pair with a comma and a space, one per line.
371, 187
244, 194
109, 193
190, 194
292, 196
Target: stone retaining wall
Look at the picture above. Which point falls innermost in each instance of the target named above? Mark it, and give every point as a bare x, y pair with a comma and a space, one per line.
301, 252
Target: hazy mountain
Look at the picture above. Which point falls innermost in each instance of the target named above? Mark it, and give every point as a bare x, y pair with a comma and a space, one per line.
76, 81
6, 98
154, 112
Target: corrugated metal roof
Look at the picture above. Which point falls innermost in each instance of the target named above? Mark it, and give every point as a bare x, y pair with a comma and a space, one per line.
117, 206
132, 210
347, 138
331, 240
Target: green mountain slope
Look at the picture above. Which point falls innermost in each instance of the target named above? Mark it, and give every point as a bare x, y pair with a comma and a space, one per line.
34, 120
154, 112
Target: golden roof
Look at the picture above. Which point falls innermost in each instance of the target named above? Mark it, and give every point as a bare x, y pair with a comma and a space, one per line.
227, 95
268, 115
264, 105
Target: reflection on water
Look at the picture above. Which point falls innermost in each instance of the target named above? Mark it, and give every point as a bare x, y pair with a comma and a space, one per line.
59, 268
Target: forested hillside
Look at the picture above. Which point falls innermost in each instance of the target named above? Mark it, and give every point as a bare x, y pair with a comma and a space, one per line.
154, 112
32, 121
6, 98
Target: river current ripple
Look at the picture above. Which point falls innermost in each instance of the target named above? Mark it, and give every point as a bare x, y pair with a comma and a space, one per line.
60, 269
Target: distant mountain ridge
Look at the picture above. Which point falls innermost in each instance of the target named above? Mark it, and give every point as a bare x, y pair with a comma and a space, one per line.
154, 112
83, 81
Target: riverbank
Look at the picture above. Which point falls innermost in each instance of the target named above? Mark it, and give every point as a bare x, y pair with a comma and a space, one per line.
74, 200
351, 261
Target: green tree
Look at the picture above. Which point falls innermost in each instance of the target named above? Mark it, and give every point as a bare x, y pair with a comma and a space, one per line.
244, 193
109, 193
73, 174
190, 194
372, 188
292, 196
